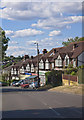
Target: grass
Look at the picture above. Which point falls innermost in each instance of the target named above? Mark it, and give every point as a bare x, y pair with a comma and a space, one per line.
75, 89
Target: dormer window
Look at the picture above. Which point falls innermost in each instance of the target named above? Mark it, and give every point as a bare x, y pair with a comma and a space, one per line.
75, 46
67, 60
46, 64
58, 61
41, 64
32, 68
28, 67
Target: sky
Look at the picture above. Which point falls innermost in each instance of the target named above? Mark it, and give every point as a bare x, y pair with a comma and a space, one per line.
47, 23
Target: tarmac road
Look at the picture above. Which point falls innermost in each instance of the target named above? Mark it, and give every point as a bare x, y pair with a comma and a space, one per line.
26, 103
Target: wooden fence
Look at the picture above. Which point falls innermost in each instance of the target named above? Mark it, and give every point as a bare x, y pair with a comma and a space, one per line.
69, 79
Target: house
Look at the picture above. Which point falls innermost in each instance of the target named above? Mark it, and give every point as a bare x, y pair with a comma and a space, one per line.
56, 58
71, 54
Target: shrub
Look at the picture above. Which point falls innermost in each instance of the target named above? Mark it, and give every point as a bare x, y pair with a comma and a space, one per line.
54, 78
73, 73
71, 70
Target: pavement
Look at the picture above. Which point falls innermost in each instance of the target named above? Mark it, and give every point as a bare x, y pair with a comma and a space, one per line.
28, 103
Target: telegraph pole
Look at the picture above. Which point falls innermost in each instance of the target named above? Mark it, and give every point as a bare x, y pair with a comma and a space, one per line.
38, 64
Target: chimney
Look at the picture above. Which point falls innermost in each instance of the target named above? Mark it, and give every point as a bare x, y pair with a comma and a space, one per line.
31, 57
44, 51
75, 46
54, 51
26, 57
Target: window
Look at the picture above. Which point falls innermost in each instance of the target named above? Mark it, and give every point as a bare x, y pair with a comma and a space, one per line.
12, 71
74, 63
28, 68
32, 68
52, 65
46, 64
41, 64
66, 60
58, 61
22, 70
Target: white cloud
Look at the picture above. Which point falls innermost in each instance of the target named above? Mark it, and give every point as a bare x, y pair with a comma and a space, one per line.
24, 33
41, 10
13, 42
54, 33
9, 32
53, 23
20, 50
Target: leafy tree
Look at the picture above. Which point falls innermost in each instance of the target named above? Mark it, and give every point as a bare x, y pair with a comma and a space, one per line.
76, 39
3, 42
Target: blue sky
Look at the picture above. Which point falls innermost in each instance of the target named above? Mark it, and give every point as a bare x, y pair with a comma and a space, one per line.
48, 23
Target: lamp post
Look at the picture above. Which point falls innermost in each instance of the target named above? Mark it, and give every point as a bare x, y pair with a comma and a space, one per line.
38, 64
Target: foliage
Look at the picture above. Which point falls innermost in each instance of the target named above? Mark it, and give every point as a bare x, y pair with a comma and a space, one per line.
54, 78
4, 76
76, 39
9, 60
82, 66
71, 70
70, 66
81, 76
4, 41
73, 73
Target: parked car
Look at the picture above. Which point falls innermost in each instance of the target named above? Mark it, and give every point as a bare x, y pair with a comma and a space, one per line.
18, 83
34, 85
3, 84
25, 85
13, 83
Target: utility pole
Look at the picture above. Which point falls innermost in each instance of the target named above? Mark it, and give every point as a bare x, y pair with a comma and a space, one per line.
38, 64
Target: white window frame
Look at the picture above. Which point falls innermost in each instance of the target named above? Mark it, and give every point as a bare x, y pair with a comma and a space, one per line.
67, 61
58, 61
32, 68
52, 65
22, 70
28, 67
47, 64
74, 62
41, 65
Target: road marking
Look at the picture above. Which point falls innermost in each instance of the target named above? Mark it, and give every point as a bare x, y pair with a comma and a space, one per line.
44, 103
54, 111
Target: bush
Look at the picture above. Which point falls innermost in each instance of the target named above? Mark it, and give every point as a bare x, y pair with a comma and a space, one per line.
54, 78
82, 66
73, 73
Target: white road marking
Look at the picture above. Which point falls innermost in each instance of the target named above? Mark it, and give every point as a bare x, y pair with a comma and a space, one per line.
54, 111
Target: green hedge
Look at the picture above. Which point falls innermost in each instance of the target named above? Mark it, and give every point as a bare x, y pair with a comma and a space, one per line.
54, 78
81, 76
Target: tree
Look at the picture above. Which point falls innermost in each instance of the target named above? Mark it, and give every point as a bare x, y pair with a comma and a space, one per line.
76, 39
4, 40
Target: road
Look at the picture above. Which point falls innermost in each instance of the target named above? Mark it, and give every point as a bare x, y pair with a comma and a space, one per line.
18, 103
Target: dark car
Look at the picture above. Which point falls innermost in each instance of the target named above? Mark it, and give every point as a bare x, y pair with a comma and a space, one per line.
3, 83
13, 83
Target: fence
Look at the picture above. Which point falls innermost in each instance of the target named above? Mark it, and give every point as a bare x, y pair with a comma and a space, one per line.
69, 80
